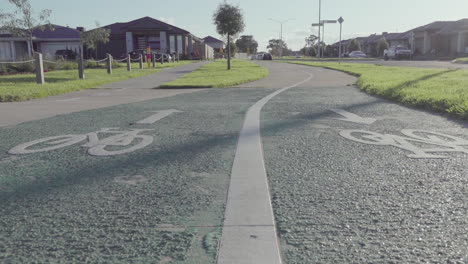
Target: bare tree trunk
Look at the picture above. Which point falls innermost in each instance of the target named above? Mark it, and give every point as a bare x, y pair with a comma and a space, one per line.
229, 52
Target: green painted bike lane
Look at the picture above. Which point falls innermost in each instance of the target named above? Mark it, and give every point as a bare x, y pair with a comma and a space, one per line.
162, 203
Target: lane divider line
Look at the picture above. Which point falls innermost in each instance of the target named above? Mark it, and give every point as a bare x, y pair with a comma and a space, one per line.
249, 231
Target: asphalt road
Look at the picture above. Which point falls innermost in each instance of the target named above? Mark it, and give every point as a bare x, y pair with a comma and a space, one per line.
351, 181
407, 63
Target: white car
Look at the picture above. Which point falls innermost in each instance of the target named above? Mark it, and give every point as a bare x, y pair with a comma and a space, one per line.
396, 53
357, 54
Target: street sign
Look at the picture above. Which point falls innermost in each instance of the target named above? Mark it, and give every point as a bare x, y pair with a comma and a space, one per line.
329, 21
317, 24
341, 20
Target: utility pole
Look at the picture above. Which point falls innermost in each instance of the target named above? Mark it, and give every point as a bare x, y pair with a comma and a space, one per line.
319, 23
323, 22
340, 20
281, 22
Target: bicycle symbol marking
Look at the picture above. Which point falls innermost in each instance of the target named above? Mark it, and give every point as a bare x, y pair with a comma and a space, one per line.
108, 146
439, 143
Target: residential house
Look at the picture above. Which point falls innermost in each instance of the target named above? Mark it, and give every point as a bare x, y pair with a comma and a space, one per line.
399, 39
442, 38
216, 44
146, 32
47, 42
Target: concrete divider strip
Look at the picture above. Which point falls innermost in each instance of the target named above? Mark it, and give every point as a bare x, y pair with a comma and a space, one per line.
249, 232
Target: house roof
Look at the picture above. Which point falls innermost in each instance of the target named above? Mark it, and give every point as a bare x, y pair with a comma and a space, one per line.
211, 39
144, 24
58, 32
454, 26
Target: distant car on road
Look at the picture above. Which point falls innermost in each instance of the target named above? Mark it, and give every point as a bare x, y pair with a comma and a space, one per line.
267, 56
397, 53
357, 54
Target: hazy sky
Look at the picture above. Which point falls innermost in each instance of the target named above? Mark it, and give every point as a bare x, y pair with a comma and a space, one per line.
362, 17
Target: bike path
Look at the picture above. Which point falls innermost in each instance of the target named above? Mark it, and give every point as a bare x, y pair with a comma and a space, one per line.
352, 182
162, 203
128, 91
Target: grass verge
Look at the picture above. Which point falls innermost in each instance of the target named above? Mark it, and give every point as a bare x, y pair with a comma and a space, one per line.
461, 61
23, 87
442, 90
215, 75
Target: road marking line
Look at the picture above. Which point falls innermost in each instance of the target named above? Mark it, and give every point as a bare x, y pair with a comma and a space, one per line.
69, 100
158, 116
249, 232
350, 117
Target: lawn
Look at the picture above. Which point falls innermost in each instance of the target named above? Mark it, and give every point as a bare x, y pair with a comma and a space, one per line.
215, 75
23, 87
442, 90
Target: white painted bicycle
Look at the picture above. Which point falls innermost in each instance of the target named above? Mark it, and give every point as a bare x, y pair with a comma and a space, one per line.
109, 146
421, 143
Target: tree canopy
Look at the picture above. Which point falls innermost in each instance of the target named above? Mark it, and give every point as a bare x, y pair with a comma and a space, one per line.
229, 21
92, 38
23, 21
382, 45
247, 44
354, 45
278, 47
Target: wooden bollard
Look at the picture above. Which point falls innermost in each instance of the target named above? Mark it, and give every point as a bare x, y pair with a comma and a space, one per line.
141, 61
109, 64
81, 73
39, 68
129, 63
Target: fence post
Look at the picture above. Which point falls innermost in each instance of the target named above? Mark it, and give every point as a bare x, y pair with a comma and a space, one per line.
162, 58
178, 58
109, 64
81, 73
39, 68
153, 59
141, 61
129, 63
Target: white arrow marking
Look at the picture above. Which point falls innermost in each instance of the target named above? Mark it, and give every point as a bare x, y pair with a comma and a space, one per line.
350, 117
158, 116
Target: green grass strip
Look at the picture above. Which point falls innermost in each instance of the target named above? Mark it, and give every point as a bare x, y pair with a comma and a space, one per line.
442, 90
461, 61
23, 87
215, 75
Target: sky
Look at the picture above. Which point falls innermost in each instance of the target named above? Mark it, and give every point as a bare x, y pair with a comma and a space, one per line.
362, 17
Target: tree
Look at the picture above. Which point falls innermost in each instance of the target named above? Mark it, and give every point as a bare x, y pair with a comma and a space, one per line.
382, 45
24, 21
276, 46
229, 21
354, 45
247, 44
91, 39
310, 40
233, 47
309, 51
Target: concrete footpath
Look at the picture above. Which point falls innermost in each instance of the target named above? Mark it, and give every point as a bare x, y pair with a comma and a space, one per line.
128, 91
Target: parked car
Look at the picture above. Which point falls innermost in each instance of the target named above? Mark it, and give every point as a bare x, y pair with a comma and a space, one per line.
65, 54
397, 53
267, 56
357, 54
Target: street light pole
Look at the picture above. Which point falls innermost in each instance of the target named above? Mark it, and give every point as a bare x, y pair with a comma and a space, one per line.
340, 20
319, 23
323, 22
281, 22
